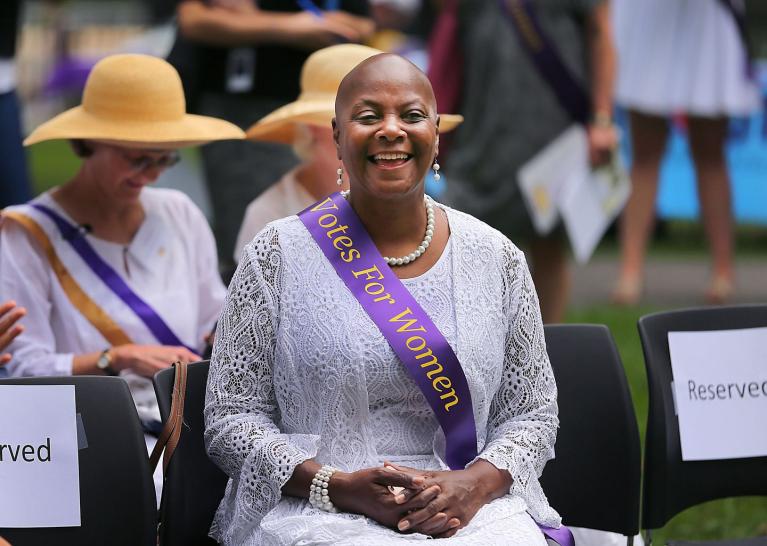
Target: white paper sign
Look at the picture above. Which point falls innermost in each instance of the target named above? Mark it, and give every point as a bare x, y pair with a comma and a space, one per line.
559, 182
720, 386
39, 477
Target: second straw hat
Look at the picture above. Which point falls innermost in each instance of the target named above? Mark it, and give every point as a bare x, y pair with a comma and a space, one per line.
134, 101
320, 77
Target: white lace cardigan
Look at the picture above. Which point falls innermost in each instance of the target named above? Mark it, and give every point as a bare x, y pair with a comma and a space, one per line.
300, 371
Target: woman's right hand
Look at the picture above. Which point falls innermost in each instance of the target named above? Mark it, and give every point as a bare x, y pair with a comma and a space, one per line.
9, 315
147, 360
367, 492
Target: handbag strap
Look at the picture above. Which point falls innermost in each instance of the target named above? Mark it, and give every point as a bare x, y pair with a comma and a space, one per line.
171, 432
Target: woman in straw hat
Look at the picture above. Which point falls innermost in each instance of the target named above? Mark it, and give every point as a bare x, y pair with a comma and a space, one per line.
117, 278
305, 124
332, 360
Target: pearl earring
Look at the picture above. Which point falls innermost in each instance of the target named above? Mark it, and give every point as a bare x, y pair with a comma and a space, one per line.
436, 168
340, 180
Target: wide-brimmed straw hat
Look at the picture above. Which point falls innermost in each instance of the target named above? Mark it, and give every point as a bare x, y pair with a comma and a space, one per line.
320, 77
135, 101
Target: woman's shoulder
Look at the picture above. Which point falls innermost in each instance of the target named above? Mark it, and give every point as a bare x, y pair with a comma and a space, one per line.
280, 233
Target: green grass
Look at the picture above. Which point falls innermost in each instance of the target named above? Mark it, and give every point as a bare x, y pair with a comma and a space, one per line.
728, 518
50, 164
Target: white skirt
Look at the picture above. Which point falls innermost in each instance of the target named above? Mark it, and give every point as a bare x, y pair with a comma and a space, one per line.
681, 56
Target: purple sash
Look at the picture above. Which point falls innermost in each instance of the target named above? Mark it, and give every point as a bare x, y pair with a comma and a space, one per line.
421, 347
561, 535
415, 339
74, 236
544, 55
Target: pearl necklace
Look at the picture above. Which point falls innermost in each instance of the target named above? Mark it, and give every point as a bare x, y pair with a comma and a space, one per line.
426, 240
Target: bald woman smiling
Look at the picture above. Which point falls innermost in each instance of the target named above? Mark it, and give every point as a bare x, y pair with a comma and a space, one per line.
313, 408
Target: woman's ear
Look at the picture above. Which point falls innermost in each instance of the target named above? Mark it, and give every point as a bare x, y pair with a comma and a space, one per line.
336, 134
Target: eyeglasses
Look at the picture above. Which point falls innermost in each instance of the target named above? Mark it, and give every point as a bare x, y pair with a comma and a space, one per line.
145, 162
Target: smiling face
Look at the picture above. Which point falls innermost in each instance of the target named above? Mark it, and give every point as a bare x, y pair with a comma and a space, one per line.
386, 126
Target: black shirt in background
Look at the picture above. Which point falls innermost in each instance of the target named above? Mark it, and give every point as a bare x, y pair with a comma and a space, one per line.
9, 24
277, 67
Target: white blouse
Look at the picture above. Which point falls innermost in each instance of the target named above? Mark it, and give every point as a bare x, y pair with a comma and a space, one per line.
171, 263
300, 371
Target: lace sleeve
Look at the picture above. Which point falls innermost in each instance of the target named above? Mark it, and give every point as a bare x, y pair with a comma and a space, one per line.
523, 421
240, 406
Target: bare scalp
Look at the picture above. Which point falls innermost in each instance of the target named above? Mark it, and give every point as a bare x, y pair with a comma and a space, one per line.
385, 67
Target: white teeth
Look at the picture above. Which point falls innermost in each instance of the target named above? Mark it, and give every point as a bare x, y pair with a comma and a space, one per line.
379, 157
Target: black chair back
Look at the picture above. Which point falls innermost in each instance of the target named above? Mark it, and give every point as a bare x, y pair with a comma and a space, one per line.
670, 484
117, 497
194, 486
594, 480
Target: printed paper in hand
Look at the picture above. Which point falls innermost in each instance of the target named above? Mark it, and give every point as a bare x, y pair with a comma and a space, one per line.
559, 181
543, 177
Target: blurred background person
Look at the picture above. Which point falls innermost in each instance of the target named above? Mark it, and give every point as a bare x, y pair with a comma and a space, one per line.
14, 182
681, 56
242, 60
306, 125
511, 112
117, 278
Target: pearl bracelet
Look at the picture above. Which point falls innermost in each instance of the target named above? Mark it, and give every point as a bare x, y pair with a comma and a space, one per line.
318, 491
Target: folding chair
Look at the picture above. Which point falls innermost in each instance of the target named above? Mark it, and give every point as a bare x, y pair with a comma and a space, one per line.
594, 480
670, 484
117, 497
194, 486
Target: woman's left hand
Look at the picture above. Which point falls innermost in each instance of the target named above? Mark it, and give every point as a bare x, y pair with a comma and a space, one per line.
603, 143
462, 494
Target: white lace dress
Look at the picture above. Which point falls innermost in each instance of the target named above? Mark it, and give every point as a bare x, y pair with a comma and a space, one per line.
300, 371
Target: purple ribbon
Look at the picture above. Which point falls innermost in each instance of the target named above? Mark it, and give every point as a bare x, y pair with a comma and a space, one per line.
561, 535
413, 336
544, 55
74, 236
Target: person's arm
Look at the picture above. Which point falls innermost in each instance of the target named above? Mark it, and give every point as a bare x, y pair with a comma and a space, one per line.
25, 277
241, 409
603, 136
522, 424
603, 59
228, 28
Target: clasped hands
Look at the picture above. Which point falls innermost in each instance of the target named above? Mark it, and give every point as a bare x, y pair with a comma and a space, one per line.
435, 503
